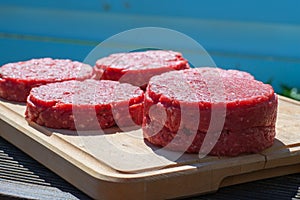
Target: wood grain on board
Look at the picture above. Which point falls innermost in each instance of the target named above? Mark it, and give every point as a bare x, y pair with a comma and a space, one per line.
108, 165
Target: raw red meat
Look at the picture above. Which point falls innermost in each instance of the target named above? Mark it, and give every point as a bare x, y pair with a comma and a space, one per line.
183, 101
17, 79
230, 143
137, 68
84, 105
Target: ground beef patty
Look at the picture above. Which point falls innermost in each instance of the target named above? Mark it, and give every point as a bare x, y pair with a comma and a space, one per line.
180, 104
17, 79
137, 68
84, 105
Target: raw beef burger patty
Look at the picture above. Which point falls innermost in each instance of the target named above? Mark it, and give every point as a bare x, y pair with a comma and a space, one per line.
138, 67
17, 79
84, 105
180, 103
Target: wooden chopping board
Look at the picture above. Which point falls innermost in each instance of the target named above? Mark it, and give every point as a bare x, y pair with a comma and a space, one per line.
120, 164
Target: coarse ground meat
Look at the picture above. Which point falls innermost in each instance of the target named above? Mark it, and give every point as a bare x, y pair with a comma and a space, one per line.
183, 102
85, 105
137, 68
17, 79
230, 143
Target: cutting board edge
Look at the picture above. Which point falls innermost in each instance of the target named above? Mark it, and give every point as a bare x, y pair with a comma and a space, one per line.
101, 188
124, 185
286, 99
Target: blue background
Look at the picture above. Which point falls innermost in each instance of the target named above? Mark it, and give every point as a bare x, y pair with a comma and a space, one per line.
261, 37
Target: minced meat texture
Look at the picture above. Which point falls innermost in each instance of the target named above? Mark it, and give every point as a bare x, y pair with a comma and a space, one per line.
85, 104
185, 100
138, 67
230, 143
17, 79
186, 93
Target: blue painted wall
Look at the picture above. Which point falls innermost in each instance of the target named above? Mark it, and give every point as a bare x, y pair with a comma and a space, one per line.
262, 37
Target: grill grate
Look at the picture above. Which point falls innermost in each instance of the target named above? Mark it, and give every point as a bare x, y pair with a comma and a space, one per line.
32, 180
284, 187
297, 196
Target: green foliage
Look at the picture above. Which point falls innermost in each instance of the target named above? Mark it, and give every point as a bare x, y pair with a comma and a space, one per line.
290, 92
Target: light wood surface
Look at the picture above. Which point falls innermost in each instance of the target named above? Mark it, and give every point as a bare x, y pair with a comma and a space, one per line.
121, 164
